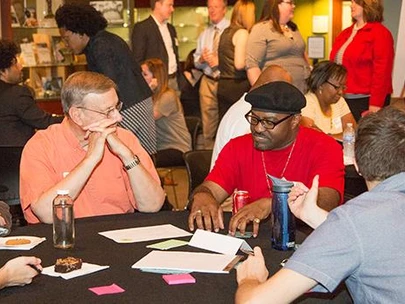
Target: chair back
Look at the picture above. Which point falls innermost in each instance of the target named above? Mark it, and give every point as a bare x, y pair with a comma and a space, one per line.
193, 125
198, 166
10, 174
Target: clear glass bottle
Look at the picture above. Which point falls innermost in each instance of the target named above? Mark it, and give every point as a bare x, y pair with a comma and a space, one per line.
63, 221
348, 144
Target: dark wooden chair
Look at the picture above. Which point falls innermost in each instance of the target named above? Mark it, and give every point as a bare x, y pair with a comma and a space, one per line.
194, 127
198, 166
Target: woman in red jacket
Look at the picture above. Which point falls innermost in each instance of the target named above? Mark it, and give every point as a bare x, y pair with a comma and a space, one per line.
366, 49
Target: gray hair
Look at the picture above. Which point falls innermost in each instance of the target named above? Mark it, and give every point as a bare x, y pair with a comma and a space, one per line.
80, 84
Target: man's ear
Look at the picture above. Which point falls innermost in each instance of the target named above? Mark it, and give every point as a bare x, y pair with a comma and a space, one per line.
296, 120
75, 115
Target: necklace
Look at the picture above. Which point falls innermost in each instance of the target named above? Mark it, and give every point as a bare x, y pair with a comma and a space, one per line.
285, 166
286, 31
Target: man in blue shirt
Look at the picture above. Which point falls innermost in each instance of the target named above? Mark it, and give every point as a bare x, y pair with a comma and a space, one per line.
361, 242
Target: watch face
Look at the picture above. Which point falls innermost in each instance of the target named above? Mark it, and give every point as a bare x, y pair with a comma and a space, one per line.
4, 231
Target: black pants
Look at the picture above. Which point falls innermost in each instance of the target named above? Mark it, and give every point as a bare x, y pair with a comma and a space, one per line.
359, 105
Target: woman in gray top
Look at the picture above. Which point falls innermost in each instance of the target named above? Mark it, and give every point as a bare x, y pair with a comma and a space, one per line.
173, 138
276, 40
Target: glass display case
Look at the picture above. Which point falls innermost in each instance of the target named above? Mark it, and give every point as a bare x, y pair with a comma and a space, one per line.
45, 72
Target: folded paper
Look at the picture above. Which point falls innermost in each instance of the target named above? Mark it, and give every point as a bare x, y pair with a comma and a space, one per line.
218, 242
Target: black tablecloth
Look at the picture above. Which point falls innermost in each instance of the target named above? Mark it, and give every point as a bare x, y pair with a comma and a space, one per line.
139, 287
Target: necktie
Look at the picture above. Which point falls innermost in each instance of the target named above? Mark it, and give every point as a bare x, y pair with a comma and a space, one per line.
215, 42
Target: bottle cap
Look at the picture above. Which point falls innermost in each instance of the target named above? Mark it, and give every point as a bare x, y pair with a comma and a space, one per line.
62, 192
280, 185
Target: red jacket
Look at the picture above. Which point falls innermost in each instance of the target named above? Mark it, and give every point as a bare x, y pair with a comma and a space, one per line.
369, 61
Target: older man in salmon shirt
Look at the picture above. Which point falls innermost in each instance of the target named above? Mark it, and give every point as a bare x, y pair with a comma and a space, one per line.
103, 166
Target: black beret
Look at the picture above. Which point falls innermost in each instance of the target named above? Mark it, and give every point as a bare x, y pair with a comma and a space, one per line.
277, 97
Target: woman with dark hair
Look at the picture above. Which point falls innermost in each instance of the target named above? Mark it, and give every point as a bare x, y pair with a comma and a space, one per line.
326, 110
276, 40
233, 82
366, 49
83, 29
173, 138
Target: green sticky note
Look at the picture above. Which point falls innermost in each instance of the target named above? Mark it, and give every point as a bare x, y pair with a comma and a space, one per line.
167, 244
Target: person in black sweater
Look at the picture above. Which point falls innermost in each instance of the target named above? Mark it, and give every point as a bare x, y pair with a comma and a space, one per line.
19, 114
83, 29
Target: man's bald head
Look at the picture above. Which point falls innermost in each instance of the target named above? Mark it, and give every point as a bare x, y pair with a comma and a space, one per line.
270, 74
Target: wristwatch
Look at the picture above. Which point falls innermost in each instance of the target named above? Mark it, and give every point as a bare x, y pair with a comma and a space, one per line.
135, 162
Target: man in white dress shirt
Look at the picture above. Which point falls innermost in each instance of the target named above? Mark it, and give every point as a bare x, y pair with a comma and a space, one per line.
154, 37
206, 59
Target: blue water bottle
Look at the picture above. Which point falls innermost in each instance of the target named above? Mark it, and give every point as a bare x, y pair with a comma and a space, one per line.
282, 220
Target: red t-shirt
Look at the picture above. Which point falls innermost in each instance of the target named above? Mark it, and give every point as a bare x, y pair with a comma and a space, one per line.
240, 165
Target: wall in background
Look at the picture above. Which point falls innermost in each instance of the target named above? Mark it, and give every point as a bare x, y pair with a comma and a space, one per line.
393, 9
399, 71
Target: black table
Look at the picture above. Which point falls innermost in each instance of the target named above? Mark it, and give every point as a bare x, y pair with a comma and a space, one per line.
139, 287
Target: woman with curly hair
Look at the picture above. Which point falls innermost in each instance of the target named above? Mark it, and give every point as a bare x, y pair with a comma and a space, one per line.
20, 116
366, 49
276, 40
173, 137
83, 29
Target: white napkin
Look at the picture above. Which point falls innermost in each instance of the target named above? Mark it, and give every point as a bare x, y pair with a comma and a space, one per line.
87, 268
34, 242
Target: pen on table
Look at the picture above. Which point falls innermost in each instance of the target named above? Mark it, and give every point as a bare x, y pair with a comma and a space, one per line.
35, 268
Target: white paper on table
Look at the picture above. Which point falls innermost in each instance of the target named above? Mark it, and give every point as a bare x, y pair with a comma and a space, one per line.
187, 261
34, 241
87, 268
218, 242
141, 234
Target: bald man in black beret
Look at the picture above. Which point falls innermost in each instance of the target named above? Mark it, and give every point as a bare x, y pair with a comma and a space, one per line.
277, 146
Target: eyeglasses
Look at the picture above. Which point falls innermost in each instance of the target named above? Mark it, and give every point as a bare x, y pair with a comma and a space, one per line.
289, 2
337, 87
266, 123
108, 113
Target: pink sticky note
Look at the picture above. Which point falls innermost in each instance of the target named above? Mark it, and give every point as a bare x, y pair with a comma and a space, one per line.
174, 279
102, 290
